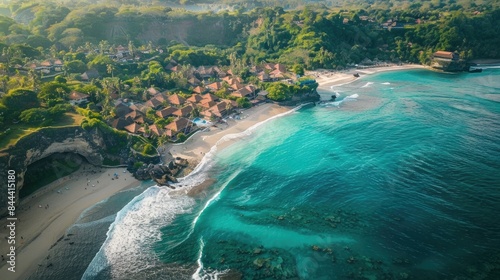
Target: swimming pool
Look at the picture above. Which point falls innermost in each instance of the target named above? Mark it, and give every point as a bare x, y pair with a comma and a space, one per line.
201, 122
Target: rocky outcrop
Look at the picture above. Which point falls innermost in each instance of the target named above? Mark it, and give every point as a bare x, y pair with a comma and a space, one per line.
162, 174
89, 144
296, 100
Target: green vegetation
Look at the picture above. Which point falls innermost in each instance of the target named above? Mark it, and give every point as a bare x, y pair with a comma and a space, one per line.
142, 146
134, 47
243, 102
16, 131
18, 100
280, 92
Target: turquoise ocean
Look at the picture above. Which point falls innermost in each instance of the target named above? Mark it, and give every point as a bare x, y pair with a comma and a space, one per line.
399, 178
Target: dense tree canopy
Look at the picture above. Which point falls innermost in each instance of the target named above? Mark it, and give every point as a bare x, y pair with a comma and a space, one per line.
53, 93
19, 100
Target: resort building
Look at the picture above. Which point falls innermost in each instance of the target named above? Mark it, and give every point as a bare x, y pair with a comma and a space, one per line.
77, 98
446, 55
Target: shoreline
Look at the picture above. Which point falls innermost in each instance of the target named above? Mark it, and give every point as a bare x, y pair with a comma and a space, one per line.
328, 78
44, 216
195, 148
40, 228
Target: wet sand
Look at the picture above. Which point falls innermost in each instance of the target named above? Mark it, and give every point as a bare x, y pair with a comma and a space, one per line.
45, 216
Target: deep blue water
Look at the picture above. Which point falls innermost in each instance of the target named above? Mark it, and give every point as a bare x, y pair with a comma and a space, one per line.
400, 181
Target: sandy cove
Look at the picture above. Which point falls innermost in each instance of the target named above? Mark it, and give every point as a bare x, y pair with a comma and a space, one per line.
38, 227
328, 78
200, 143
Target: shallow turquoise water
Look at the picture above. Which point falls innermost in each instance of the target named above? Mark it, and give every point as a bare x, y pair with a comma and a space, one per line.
401, 182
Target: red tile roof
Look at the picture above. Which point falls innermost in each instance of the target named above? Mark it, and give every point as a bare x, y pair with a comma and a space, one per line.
153, 103
166, 112
195, 98
183, 112
75, 95
156, 130
210, 97
178, 125
176, 99
134, 128
215, 86
199, 89
444, 54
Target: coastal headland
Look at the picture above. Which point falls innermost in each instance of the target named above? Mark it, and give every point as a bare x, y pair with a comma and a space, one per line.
44, 216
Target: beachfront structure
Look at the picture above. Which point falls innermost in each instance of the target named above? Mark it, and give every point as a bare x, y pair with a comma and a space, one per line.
216, 111
447, 61
446, 55
178, 125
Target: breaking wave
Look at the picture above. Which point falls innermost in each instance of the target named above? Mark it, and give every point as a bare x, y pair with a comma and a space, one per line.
128, 248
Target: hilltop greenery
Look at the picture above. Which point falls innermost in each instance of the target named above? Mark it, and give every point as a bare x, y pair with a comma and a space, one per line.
337, 34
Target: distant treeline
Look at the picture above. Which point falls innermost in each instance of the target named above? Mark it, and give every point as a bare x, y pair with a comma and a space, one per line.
313, 36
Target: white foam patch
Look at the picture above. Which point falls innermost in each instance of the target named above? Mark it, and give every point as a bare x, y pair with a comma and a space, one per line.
128, 248
367, 84
386, 83
338, 103
201, 273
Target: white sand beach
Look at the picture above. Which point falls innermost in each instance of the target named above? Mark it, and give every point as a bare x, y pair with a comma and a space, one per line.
44, 216
329, 78
199, 144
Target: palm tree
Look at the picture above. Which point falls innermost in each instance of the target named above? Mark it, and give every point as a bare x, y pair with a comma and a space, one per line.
110, 69
131, 48
229, 107
33, 79
103, 45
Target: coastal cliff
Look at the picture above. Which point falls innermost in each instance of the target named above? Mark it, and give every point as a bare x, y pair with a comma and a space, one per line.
93, 145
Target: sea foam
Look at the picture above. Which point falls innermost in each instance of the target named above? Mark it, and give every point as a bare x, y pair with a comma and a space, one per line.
338, 103
136, 228
367, 84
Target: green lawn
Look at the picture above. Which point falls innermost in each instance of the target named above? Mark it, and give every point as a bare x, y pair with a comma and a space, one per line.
20, 129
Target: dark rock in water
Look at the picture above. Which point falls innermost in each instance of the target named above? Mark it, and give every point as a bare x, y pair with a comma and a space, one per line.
181, 162
257, 251
259, 262
161, 174
171, 165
